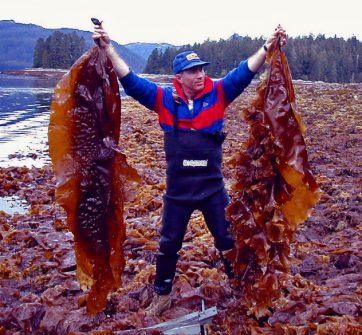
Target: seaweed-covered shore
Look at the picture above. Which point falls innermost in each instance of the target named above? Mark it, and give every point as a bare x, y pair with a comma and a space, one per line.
322, 294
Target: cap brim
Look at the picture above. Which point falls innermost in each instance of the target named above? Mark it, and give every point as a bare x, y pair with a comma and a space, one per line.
189, 66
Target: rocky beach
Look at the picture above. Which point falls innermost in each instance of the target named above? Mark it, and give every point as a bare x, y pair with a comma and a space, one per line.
321, 294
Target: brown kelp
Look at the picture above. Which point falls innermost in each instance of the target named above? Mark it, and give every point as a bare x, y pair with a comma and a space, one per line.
90, 171
274, 187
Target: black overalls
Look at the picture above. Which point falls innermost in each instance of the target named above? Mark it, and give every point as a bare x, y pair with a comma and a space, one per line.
194, 181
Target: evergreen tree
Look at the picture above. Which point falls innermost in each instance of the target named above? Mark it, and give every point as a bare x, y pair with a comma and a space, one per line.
152, 64
40, 53
58, 51
77, 47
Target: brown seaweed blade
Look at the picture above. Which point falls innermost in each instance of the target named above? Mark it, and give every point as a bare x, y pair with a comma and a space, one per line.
84, 126
274, 188
287, 130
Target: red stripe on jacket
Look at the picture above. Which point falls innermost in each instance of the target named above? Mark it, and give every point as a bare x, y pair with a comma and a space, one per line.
204, 119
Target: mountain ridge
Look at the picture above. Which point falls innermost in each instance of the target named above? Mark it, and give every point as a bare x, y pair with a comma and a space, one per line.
17, 42
145, 49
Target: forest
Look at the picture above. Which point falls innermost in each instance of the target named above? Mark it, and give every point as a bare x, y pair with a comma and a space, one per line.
310, 58
333, 60
58, 51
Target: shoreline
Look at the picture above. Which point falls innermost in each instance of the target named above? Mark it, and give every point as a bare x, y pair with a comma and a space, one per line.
39, 73
158, 78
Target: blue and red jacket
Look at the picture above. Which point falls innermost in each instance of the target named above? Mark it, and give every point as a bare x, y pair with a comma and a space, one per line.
192, 142
209, 104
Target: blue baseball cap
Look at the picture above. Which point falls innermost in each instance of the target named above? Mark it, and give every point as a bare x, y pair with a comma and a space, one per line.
186, 60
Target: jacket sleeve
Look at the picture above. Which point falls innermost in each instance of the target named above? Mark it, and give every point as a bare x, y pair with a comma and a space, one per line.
141, 89
236, 81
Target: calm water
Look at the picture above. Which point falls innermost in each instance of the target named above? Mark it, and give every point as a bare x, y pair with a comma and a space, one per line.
24, 119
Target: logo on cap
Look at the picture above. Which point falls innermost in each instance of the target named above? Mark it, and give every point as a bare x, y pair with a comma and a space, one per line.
192, 56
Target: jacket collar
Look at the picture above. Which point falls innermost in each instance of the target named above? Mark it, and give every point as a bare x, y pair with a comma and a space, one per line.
207, 88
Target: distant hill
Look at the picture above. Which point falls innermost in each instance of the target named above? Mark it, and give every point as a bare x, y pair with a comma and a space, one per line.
145, 49
17, 41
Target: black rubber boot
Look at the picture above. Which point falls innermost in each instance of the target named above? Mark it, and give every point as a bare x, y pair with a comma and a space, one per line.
227, 265
165, 273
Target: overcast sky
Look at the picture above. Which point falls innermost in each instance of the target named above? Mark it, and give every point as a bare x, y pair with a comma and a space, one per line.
188, 21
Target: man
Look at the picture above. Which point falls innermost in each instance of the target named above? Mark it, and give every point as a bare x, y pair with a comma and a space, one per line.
191, 115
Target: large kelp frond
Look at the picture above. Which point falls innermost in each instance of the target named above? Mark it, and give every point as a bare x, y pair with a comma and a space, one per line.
274, 188
83, 133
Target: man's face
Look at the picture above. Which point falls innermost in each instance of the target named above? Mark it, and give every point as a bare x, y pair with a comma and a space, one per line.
192, 80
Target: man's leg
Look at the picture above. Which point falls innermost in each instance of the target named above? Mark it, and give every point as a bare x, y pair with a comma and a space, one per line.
176, 216
213, 210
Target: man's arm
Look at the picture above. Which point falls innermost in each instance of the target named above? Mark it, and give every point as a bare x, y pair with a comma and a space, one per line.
239, 78
119, 65
141, 89
256, 61
101, 38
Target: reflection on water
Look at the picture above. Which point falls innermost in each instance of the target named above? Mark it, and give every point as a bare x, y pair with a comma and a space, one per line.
24, 119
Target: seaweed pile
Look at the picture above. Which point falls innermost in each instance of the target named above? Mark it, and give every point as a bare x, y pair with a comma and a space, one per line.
321, 294
274, 188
